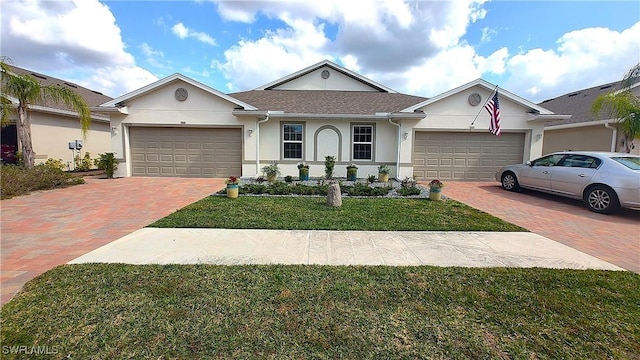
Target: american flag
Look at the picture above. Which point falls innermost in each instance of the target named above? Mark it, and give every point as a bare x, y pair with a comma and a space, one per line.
493, 107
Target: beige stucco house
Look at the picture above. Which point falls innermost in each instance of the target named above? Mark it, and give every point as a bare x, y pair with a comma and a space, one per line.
180, 127
53, 126
584, 130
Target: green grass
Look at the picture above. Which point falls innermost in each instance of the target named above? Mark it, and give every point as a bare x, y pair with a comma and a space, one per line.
303, 312
312, 213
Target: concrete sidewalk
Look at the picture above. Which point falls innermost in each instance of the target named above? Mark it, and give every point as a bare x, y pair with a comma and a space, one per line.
398, 248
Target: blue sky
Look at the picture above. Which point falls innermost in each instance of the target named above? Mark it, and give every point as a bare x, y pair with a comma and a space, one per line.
537, 49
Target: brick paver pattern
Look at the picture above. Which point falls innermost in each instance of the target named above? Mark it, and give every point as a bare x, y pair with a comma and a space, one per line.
45, 229
613, 238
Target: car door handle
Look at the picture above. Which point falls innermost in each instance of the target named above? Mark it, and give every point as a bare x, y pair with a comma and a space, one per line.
582, 175
545, 172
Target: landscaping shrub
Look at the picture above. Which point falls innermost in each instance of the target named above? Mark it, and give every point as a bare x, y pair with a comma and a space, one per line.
366, 190
55, 164
255, 189
83, 164
16, 180
108, 163
408, 191
279, 188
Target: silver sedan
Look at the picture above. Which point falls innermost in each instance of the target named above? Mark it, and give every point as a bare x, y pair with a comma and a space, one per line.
604, 181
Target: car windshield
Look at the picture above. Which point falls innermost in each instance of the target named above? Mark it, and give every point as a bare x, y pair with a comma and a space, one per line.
632, 162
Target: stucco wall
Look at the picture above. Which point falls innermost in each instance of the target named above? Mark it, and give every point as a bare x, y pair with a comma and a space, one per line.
160, 108
52, 133
454, 113
595, 138
323, 137
335, 81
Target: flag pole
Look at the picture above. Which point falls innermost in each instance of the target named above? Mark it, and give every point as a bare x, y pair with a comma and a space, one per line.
483, 105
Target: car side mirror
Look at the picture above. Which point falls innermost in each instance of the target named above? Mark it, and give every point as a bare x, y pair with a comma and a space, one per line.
529, 163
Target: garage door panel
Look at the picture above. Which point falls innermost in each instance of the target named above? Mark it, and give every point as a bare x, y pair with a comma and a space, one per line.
464, 156
186, 152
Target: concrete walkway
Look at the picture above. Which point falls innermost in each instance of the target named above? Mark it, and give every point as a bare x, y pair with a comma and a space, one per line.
228, 247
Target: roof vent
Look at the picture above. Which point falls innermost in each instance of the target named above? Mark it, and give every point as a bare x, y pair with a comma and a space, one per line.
97, 92
71, 85
39, 76
606, 86
574, 94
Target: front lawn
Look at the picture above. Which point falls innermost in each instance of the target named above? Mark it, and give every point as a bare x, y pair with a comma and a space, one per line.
109, 311
312, 213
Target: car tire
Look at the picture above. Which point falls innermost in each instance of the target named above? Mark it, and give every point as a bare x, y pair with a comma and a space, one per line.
601, 199
509, 181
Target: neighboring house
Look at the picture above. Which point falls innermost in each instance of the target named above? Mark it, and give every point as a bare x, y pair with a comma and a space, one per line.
180, 127
53, 126
583, 131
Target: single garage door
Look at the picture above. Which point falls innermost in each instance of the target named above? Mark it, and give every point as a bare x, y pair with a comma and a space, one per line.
464, 156
186, 152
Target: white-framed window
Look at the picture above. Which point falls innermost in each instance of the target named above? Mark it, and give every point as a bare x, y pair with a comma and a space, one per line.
362, 142
292, 141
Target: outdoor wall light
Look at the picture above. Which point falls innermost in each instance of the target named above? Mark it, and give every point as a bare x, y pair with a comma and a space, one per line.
405, 135
114, 130
538, 137
250, 131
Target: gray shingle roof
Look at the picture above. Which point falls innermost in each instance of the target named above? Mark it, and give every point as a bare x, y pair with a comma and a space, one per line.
327, 101
578, 103
93, 98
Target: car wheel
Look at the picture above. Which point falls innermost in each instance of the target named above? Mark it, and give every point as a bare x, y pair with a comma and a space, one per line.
510, 182
601, 199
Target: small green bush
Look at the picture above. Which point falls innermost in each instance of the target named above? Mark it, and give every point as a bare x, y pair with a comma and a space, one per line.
408, 191
83, 164
108, 163
255, 189
55, 164
288, 179
279, 188
366, 190
16, 180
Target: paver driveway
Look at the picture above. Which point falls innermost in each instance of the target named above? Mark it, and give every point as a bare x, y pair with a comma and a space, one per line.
46, 229
613, 238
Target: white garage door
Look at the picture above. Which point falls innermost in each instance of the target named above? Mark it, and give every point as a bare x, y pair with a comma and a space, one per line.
186, 152
464, 156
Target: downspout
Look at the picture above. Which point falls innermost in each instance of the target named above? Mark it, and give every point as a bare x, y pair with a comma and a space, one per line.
399, 145
266, 118
614, 136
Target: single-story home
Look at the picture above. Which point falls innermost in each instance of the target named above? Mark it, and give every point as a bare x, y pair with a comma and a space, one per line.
180, 127
54, 126
584, 130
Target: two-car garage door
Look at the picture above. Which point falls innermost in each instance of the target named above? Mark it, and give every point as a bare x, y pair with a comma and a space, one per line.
186, 152
464, 156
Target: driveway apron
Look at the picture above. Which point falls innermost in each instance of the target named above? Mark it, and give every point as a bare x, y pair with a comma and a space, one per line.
49, 228
613, 238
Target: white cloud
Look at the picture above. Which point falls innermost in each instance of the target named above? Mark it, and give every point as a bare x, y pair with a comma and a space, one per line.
67, 38
583, 58
380, 36
184, 32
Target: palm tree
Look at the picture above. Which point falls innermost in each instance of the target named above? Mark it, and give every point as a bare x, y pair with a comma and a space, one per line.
26, 90
624, 106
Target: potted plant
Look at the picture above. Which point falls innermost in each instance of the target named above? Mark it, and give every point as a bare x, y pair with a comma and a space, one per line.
232, 186
352, 172
435, 189
272, 171
303, 171
329, 164
383, 173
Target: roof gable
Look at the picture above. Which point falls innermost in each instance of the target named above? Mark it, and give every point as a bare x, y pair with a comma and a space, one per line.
168, 80
326, 75
488, 86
